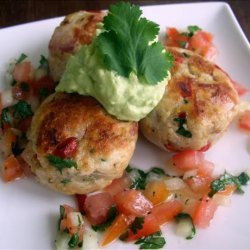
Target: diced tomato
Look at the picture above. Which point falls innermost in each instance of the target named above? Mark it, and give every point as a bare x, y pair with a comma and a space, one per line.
176, 39
67, 209
201, 182
24, 124
23, 72
118, 185
11, 169
185, 88
166, 211
244, 121
21, 91
189, 159
45, 83
9, 139
149, 226
201, 43
66, 148
156, 191
241, 90
205, 148
132, 202
25, 166
97, 206
204, 212
81, 198
117, 228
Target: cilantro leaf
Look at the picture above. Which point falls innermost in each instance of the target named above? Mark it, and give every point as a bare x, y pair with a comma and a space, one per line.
74, 240
5, 117
21, 58
126, 44
157, 170
181, 129
44, 64
137, 224
228, 179
184, 218
22, 110
192, 29
112, 213
60, 163
153, 241
138, 178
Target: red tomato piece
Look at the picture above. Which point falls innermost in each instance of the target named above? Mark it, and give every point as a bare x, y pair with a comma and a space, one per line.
204, 212
11, 169
66, 148
45, 83
241, 90
166, 211
149, 226
23, 72
176, 39
81, 198
132, 202
24, 124
97, 206
244, 121
205, 148
25, 166
118, 185
189, 159
185, 88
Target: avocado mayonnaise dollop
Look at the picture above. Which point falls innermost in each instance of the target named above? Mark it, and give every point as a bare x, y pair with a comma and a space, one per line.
125, 68
125, 98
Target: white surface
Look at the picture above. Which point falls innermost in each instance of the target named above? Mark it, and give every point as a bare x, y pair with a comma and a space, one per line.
29, 211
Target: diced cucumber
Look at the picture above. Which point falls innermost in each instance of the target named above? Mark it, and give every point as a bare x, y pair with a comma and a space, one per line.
90, 241
185, 226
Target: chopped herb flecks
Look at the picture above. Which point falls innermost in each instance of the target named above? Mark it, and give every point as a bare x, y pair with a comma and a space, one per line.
60, 163
153, 241
182, 121
21, 58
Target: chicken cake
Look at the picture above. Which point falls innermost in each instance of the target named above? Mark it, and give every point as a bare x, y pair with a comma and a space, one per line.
198, 105
75, 146
75, 30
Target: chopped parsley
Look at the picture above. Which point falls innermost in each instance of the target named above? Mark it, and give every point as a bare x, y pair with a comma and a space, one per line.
44, 64
226, 180
43, 92
157, 170
192, 29
21, 58
65, 181
153, 241
137, 224
186, 218
127, 44
112, 213
138, 178
74, 240
5, 117
181, 129
182, 44
22, 110
24, 86
60, 163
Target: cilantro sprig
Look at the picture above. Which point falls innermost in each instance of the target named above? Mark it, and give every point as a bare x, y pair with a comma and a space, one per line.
153, 241
227, 179
127, 44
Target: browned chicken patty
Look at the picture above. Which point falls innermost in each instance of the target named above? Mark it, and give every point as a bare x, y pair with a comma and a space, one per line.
75, 30
104, 144
198, 105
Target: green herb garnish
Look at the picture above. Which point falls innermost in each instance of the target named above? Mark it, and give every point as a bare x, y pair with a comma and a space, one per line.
44, 64
65, 181
43, 92
227, 180
24, 86
157, 170
60, 163
5, 117
112, 213
138, 178
182, 44
73, 242
127, 44
153, 241
192, 29
186, 218
137, 224
181, 129
22, 110
21, 58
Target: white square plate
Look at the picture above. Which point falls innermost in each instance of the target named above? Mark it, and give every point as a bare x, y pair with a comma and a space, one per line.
29, 211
